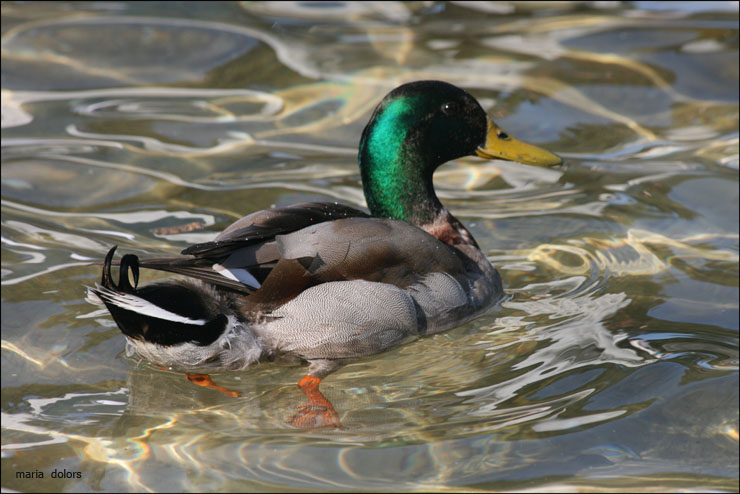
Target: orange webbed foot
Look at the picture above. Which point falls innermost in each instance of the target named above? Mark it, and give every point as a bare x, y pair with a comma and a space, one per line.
318, 412
206, 381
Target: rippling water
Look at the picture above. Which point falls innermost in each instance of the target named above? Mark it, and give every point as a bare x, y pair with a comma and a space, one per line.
611, 364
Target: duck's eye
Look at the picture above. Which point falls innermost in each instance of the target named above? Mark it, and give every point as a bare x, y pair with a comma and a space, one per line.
450, 108
502, 135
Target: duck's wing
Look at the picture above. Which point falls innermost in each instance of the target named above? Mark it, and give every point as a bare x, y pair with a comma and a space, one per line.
199, 268
371, 249
266, 224
242, 256
274, 255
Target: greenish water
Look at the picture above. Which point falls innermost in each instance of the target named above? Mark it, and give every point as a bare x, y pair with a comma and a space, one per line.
611, 365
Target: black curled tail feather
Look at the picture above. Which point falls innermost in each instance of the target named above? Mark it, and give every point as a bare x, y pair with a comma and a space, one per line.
107, 280
129, 261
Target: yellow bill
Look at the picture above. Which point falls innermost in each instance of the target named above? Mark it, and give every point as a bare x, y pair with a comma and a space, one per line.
500, 145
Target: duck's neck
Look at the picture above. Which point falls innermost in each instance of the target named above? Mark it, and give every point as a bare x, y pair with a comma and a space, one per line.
396, 170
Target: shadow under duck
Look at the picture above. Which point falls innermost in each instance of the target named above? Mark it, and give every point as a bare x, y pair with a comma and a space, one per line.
324, 282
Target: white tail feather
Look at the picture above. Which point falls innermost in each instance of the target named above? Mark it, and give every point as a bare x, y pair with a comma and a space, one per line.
136, 304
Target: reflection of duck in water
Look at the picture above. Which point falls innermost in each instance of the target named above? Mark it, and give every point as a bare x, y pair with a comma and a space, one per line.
323, 282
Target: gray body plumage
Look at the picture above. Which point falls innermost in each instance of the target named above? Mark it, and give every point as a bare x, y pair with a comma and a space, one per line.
419, 286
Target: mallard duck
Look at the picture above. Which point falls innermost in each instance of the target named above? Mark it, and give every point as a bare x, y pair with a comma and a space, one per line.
324, 282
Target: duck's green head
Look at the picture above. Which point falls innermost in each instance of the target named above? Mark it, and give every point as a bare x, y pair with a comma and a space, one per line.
419, 126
